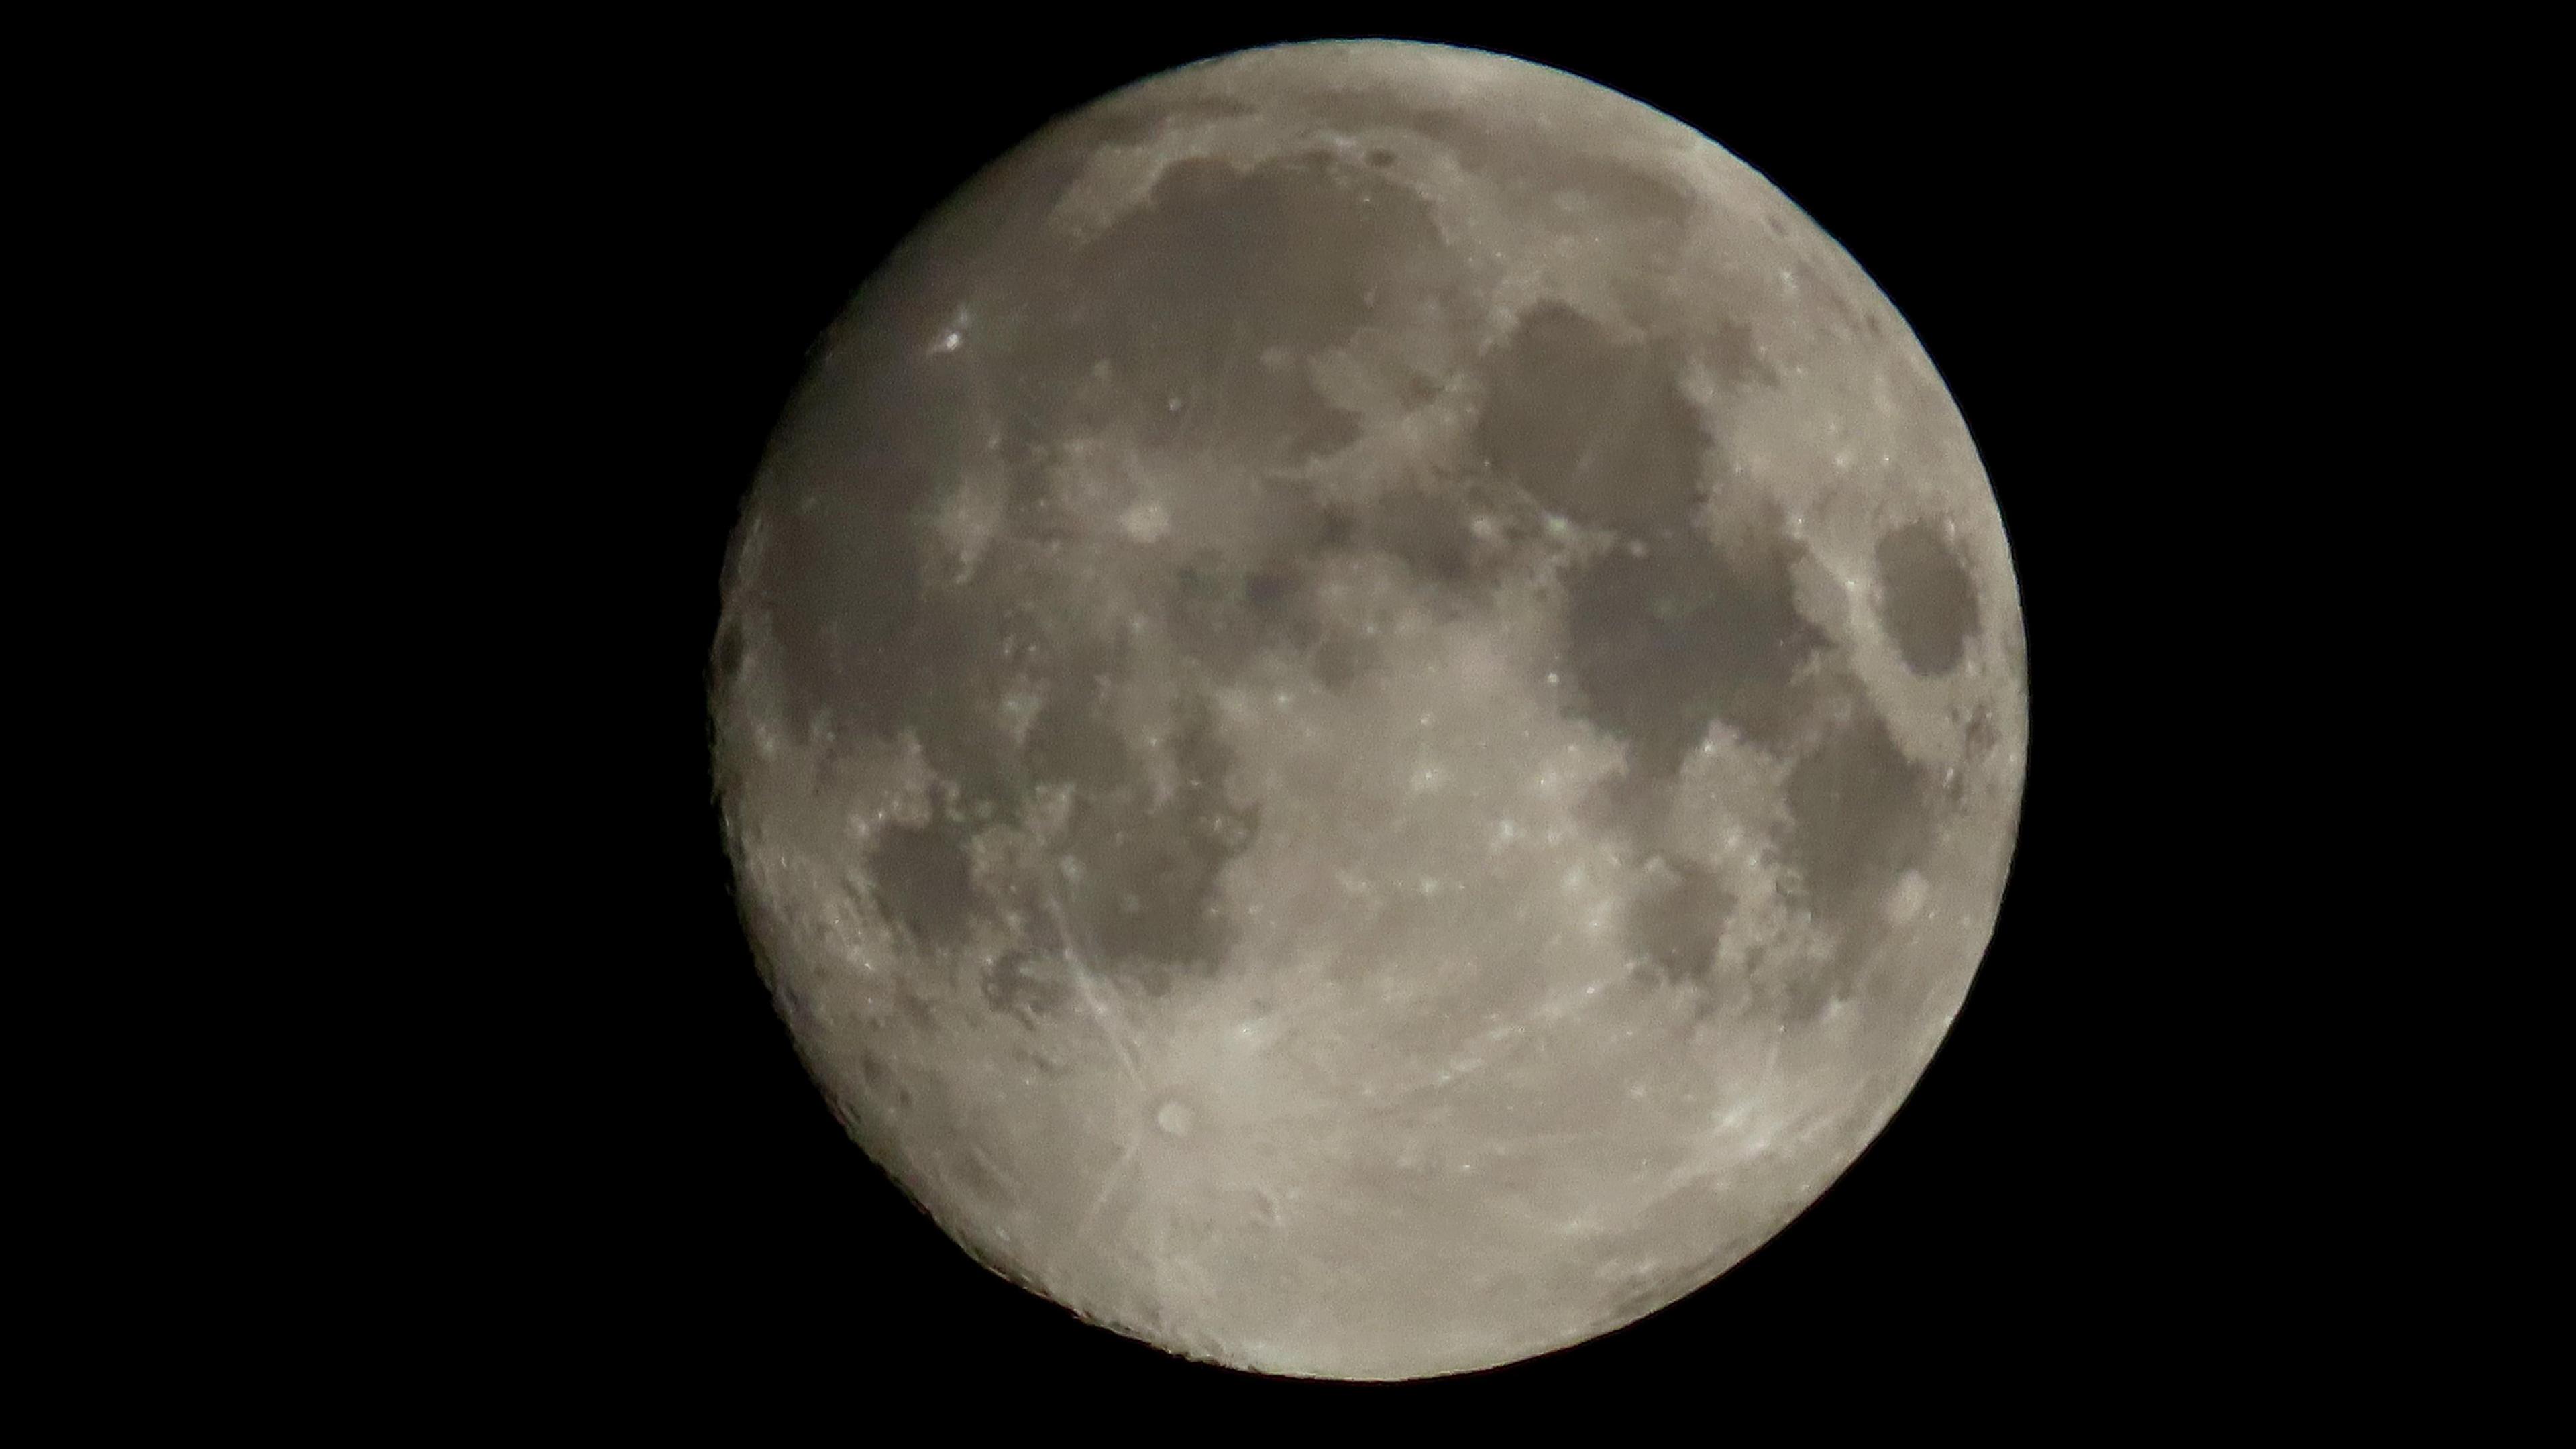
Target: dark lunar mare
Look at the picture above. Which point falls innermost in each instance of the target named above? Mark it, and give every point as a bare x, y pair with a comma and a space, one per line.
1927, 599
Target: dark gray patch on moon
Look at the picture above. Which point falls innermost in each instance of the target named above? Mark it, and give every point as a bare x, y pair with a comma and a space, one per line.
1595, 429
1673, 926
1135, 888
1428, 533
840, 585
1927, 601
1661, 645
884, 1081
1977, 737
1177, 301
963, 649
1073, 741
1860, 815
925, 882
1735, 358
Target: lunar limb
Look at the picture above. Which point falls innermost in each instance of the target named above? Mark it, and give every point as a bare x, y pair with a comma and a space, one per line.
1371, 711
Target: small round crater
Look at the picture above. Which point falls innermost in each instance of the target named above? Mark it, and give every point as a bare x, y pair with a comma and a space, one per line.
1176, 1118
1906, 900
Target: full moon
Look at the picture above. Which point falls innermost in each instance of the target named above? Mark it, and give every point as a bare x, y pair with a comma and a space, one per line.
1370, 709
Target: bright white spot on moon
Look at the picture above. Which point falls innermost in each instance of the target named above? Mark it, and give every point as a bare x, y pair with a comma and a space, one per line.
1911, 892
1146, 522
1370, 783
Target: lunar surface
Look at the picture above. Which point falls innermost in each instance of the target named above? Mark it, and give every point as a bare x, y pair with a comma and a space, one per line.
1371, 711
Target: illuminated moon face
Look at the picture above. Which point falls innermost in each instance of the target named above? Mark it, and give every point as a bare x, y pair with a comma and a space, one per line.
1371, 710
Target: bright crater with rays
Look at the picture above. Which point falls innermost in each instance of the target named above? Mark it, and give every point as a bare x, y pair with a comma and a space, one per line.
1371, 712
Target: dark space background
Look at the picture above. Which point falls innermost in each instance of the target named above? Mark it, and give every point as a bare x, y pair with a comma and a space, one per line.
665, 1199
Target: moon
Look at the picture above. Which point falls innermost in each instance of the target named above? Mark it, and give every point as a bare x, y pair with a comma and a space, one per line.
1370, 710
